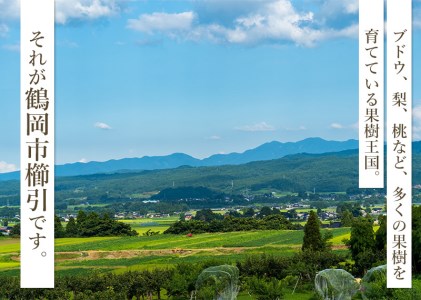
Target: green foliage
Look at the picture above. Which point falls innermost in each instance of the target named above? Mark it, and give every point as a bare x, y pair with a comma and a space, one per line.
312, 239
381, 238
58, 228
346, 218
207, 215
352, 207
326, 239
362, 245
416, 238
336, 284
264, 212
10, 212
291, 214
71, 228
218, 283
339, 171
235, 214
373, 287
144, 208
303, 264
266, 266
92, 224
373, 284
248, 213
149, 232
188, 192
15, 230
229, 224
265, 289
182, 281
308, 263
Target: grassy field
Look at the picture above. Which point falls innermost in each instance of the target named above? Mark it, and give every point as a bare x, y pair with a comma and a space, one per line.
119, 254
143, 225
153, 224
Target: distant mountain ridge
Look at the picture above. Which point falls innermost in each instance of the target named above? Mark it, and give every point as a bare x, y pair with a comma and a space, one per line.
267, 151
275, 150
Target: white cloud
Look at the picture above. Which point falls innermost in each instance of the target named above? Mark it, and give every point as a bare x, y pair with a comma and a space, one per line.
262, 126
4, 29
67, 44
5, 167
162, 22
270, 21
416, 117
66, 10
149, 42
356, 125
214, 137
14, 48
416, 20
85, 9
280, 22
9, 9
83, 160
101, 125
336, 126
335, 7
299, 128
351, 6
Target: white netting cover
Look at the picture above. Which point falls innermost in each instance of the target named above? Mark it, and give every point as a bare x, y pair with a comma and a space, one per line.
336, 284
374, 282
222, 280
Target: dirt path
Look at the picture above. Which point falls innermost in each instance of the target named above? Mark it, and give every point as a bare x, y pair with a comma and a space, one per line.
94, 254
118, 254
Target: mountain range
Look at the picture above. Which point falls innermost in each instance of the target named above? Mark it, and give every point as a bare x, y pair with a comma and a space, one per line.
324, 172
267, 151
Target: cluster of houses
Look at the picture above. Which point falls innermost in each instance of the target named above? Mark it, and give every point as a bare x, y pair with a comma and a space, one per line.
135, 215
327, 215
4, 227
5, 230
297, 205
299, 211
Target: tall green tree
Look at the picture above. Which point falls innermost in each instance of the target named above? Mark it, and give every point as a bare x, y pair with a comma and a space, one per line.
362, 244
381, 236
416, 239
58, 228
71, 228
15, 230
312, 237
207, 215
264, 212
81, 218
249, 213
346, 219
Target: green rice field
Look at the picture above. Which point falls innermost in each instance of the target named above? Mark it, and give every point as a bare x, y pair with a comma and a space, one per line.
119, 254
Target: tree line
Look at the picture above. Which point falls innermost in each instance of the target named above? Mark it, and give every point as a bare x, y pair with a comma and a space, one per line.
264, 276
92, 224
208, 221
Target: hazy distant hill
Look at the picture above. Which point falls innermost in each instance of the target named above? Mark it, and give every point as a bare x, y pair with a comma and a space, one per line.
274, 150
267, 151
331, 172
326, 172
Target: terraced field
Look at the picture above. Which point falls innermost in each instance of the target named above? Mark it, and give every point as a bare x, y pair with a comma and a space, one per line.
119, 254
156, 225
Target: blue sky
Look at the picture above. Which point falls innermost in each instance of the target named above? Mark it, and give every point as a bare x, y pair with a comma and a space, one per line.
145, 77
